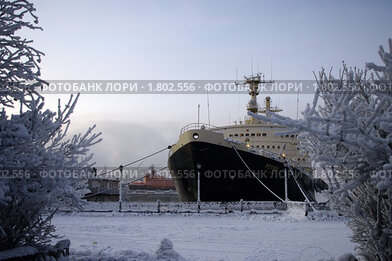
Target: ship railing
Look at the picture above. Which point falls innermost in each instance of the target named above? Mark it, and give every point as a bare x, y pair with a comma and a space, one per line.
197, 126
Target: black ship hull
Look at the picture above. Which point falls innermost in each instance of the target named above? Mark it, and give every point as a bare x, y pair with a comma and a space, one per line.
224, 176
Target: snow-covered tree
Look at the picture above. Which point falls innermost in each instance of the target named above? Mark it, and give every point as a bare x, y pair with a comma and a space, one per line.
40, 168
348, 133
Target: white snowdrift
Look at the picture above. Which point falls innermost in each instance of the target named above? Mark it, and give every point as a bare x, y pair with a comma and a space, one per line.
165, 252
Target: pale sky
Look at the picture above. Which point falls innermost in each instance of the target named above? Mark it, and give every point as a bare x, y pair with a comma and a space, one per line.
194, 40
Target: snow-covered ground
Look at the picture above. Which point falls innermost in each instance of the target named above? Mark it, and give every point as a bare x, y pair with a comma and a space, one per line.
207, 236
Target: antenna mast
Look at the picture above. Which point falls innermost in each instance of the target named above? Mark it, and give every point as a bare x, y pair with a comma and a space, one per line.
198, 116
297, 102
239, 97
251, 64
208, 108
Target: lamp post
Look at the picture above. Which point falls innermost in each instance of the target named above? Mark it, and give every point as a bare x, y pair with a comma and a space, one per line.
120, 189
286, 197
198, 186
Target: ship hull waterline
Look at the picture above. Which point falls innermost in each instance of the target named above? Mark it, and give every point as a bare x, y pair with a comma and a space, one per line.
224, 176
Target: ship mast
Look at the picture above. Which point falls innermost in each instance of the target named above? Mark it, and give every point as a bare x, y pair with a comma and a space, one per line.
254, 82
268, 106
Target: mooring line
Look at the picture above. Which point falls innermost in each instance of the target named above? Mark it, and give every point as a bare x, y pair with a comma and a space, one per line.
100, 192
133, 162
300, 188
254, 175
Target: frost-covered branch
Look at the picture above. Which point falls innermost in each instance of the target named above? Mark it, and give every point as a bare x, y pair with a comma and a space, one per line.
19, 70
348, 131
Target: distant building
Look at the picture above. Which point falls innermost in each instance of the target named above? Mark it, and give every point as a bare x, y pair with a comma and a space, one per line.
152, 188
102, 189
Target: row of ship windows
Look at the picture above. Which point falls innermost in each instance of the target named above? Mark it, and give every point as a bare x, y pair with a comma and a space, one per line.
259, 134
247, 134
268, 146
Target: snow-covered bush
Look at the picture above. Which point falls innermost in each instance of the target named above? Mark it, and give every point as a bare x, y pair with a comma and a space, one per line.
39, 167
348, 133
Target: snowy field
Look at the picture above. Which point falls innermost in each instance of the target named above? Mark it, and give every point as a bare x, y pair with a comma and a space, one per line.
207, 236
